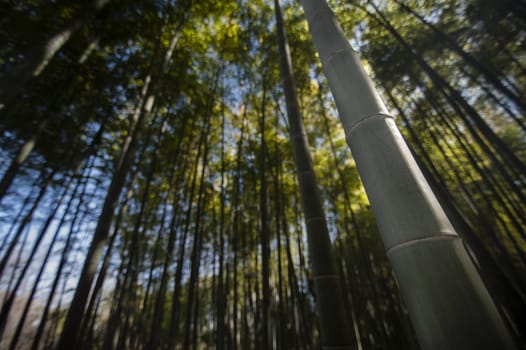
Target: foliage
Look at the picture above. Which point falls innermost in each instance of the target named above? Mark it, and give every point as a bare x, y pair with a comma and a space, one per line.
181, 263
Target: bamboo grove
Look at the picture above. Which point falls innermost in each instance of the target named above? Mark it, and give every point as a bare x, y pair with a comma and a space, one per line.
148, 188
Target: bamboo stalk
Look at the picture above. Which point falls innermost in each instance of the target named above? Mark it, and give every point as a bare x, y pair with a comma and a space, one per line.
447, 301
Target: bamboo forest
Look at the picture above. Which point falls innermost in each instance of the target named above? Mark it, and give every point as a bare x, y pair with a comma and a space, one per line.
262, 174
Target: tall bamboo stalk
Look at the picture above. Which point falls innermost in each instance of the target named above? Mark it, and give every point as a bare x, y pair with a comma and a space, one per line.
447, 301
335, 332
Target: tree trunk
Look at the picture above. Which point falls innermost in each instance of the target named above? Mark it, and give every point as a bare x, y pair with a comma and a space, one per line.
11, 294
447, 301
100, 236
27, 219
264, 228
195, 256
175, 178
20, 157
332, 314
221, 288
